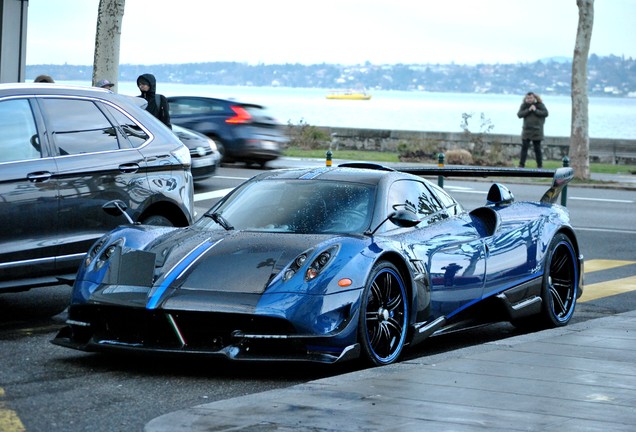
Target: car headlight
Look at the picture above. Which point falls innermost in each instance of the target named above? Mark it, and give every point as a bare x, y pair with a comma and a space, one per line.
93, 251
212, 144
317, 265
107, 252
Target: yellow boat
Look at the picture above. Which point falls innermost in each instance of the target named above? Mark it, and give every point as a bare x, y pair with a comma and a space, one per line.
349, 95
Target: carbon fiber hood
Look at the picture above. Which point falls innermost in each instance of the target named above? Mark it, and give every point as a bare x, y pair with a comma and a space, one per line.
230, 262
243, 262
196, 269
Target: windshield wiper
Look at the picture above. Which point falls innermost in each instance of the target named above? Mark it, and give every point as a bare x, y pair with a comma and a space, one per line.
216, 217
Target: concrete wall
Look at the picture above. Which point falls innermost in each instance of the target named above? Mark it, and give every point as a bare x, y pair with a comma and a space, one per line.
554, 148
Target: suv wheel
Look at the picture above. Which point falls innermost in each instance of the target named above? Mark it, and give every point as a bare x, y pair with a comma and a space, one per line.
157, 220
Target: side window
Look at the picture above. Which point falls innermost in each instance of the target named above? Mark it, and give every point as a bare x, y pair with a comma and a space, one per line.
18, 135
447, 201
78, 126
412, 195
135, 134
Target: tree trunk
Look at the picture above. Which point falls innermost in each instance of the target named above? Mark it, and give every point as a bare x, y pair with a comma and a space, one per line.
579, 137
107, 36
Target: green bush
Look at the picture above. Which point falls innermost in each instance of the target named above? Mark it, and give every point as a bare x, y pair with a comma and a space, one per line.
307, 137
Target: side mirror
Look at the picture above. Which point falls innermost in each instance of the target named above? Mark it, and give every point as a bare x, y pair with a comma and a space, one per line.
404, 218
117, 208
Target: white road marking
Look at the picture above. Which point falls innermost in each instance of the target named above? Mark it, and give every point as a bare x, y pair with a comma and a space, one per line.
211, 195
601, 200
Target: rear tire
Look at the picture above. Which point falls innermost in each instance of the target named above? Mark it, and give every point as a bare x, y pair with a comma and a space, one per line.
560, 282
383, 322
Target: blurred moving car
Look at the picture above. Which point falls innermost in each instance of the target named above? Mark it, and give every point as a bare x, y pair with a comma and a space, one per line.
203, 152
327, 264
64, 152
244, 132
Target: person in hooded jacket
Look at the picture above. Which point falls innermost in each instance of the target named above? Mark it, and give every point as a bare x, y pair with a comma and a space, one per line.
533, 112
157, 103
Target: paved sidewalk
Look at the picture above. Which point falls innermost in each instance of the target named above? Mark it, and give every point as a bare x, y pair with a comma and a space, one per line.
577, 378
624, 181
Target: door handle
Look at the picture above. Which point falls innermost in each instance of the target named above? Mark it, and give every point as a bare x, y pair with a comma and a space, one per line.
129, 168
39, 176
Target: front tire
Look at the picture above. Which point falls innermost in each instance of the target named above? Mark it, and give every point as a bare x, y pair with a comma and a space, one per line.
560, 282
383, 315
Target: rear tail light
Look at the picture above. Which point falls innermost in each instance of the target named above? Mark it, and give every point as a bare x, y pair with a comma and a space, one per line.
240, 115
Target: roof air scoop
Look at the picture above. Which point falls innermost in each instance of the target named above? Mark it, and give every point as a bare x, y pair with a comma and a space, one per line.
499, 195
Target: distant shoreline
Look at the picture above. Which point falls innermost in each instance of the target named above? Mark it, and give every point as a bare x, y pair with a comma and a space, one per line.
607, 76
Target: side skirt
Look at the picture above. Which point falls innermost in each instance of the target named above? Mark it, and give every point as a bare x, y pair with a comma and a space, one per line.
424, 330
523, 300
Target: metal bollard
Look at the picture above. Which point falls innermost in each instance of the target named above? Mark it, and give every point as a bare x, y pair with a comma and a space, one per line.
564, 192
440, 164
329, 155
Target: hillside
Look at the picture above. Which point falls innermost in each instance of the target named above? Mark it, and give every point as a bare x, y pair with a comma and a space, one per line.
608, 76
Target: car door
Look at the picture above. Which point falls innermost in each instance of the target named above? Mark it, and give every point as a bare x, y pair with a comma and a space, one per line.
28, 195
96, 164
446, 244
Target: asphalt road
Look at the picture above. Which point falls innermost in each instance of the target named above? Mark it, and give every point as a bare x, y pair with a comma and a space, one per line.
48, 388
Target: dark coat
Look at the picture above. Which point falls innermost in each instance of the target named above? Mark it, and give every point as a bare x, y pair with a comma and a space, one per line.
532, 121
161, 111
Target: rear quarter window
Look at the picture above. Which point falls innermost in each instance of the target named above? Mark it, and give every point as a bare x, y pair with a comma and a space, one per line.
135, 134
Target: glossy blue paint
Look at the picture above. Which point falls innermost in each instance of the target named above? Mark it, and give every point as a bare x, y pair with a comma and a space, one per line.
251, 280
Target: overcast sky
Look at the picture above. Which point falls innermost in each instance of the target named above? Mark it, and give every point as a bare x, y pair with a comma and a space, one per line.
329, 31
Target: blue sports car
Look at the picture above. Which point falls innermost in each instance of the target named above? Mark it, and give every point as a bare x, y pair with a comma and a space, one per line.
327, 264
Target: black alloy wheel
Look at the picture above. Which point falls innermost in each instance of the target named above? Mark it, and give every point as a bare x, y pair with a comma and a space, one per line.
384, 315
560, 282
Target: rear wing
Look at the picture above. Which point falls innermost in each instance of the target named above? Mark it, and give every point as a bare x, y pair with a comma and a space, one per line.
562, 176
500, 194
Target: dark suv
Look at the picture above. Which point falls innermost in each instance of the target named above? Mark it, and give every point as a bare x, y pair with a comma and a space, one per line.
244, 132
65, 152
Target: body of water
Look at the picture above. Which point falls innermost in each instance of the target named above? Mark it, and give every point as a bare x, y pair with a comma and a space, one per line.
417, 111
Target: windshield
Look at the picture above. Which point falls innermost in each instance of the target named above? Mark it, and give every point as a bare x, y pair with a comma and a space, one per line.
296, 206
